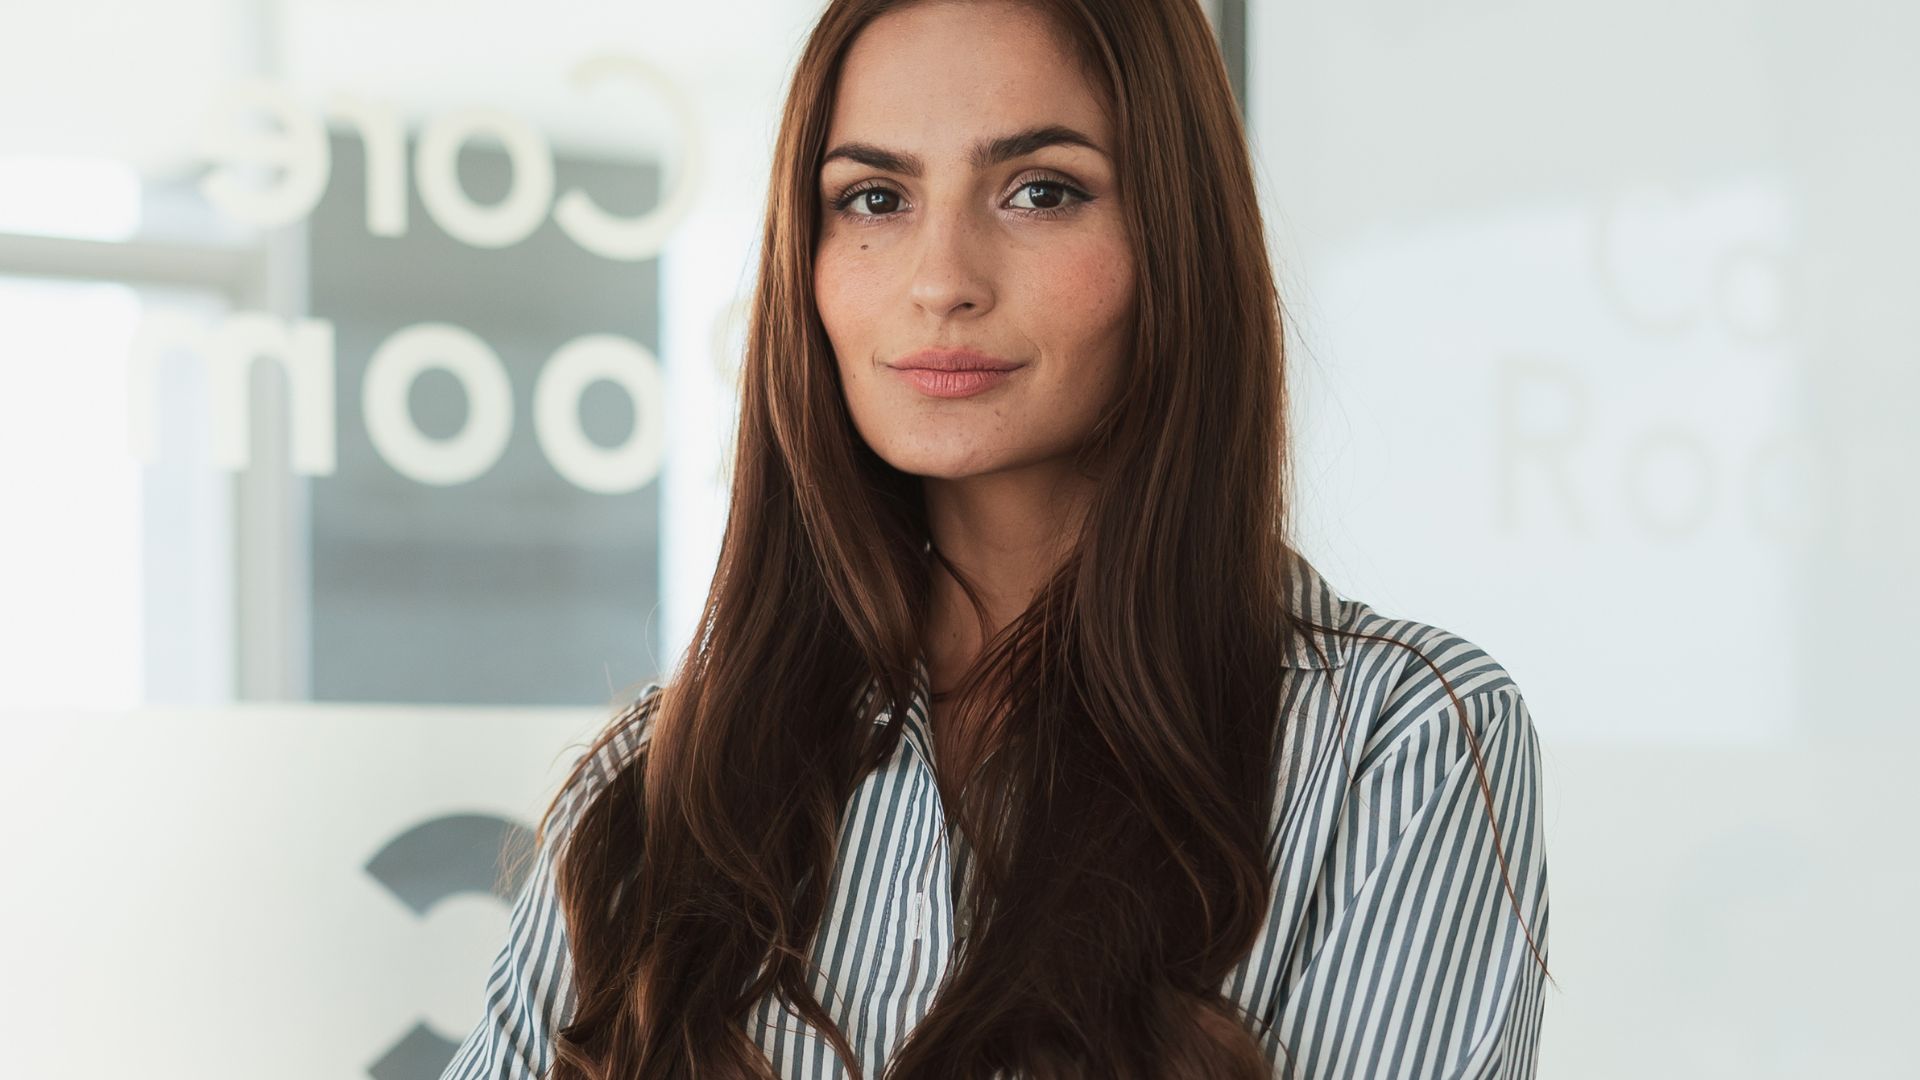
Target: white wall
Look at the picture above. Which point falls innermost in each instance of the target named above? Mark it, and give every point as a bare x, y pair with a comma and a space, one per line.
190, 894
1606, 348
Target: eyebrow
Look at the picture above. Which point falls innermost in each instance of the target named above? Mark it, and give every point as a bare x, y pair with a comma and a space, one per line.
984, 153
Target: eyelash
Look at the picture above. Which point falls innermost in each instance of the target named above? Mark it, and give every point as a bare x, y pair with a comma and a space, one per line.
842, 201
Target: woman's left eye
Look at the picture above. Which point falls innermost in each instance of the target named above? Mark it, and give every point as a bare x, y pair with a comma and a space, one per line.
1053, 202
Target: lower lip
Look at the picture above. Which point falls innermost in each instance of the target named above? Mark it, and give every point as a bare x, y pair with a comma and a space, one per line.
954, 384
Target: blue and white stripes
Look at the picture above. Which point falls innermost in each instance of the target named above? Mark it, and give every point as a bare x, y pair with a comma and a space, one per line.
1391, 948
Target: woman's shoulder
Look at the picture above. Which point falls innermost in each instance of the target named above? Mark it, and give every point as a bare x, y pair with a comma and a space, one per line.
1343, 636
1416, 716
532, 973
1402, 673
1422, 656
615, 746
1406, 818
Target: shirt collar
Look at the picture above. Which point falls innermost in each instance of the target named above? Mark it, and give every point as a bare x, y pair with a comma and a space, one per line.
1311, 597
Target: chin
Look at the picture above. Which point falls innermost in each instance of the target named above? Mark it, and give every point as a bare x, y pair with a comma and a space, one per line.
939, 464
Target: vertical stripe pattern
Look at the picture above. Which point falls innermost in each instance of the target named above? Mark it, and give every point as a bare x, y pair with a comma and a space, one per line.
1390, 948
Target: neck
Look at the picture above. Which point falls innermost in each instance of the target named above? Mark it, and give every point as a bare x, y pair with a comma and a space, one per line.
1006, 532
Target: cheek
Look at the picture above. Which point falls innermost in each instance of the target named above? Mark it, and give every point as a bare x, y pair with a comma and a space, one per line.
847, 292
827, 291
1083, 318
1082, 299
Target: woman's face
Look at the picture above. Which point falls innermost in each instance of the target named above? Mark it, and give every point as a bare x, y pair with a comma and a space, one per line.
939, 235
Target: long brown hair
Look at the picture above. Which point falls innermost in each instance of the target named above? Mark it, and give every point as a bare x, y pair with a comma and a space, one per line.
1127, 723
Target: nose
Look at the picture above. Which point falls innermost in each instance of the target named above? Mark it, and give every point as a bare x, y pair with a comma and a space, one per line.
951, 273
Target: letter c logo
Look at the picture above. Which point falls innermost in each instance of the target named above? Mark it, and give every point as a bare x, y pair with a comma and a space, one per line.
436, 859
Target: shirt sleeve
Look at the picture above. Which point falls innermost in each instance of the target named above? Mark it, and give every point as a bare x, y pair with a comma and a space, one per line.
1426, 972
530, 993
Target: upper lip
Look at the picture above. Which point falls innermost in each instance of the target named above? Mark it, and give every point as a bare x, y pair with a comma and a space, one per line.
954, 359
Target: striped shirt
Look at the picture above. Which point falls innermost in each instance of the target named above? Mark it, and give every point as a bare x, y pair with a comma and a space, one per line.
1390, 947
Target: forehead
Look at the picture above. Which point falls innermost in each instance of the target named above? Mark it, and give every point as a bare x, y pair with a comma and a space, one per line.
938, 74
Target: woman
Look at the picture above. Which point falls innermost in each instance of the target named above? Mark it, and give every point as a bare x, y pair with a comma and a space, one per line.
1017, 740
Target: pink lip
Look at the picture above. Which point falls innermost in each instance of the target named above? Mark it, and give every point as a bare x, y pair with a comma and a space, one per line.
953, 384
953, 373
953, 360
